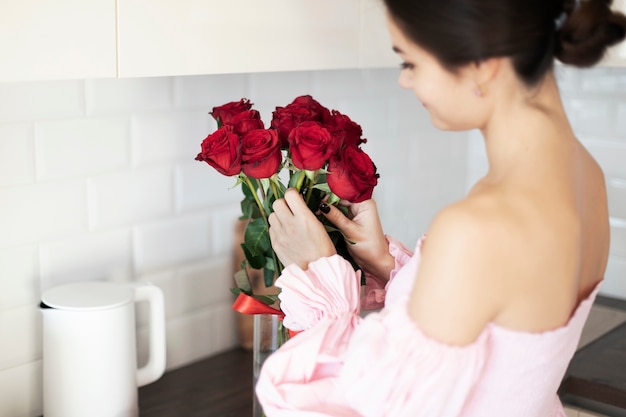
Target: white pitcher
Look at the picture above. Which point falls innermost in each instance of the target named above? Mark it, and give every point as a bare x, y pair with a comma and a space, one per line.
89, 348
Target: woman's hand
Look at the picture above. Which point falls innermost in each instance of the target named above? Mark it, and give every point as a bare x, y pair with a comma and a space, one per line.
364, 234
297, 235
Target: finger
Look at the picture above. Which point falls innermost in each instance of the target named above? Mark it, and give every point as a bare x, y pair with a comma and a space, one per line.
281, 208
273, 220
337, 218
295, 201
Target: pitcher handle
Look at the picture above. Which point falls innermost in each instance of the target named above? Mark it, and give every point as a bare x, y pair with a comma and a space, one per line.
155, 367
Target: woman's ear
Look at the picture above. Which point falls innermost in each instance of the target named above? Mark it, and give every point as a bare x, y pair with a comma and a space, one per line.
482, 73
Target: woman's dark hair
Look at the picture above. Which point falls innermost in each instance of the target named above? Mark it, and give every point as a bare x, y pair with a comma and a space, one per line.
531, 32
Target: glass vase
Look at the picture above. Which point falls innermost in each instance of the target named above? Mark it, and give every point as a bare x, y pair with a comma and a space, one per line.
269, 334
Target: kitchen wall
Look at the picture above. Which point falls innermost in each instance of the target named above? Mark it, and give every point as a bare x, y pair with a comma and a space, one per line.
98, 181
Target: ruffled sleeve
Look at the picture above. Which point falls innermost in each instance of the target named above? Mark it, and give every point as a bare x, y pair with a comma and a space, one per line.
344, 365
374, 292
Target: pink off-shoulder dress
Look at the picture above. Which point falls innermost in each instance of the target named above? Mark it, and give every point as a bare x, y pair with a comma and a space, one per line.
343, 365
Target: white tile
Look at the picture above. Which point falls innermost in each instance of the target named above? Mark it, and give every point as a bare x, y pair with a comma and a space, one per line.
170, 137
225, 328
167, 284
590, 116
610, 156
39, 212
19, 277
277, 89
80, 147
118, 96
620, 121
20, 336
21, 390
41, 100
174, 242
223, 222
329, 86
567, 78
208, 91
190, 338
614, 284
198, 185
17, 154
97, 256
618, 240
603, 80
204, 284
124, 198
616, 190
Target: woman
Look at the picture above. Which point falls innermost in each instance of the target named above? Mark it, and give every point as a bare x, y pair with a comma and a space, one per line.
483, 319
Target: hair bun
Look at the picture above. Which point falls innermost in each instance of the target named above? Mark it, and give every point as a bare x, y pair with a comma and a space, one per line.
587, 33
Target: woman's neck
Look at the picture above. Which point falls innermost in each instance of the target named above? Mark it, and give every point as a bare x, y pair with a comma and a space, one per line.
523, 124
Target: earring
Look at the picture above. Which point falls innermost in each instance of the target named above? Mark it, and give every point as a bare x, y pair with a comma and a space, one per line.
478, 92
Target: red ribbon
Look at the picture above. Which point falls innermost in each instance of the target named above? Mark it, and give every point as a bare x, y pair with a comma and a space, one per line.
249, 305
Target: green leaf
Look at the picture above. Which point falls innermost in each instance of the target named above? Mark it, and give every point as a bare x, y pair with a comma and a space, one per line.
268, 277
241, 278
269, 262
246, 189
267, 299
256, 238
323, 187
265, 183
254, 261
279, 186
296, 178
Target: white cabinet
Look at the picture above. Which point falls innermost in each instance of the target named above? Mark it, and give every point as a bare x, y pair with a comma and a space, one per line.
61, 39
180, 37
375, 42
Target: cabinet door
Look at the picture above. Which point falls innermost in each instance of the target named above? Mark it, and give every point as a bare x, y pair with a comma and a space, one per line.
61, 39
375, 42
180, 37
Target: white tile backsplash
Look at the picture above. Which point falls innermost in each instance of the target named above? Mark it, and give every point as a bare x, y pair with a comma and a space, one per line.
22, 390
19, 277
159, 138
171, 242
98, 181
128, 197
124, 96
20, 335
77, 148
36, 101
36, 213
95, 256
17, 154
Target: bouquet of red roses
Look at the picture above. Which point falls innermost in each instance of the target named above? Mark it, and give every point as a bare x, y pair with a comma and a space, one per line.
318, 148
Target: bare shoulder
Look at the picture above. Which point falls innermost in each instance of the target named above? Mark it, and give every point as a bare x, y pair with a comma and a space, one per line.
458, 290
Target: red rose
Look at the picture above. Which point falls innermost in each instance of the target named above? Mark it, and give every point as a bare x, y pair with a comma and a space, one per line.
347, 132
222, 151
302, 109
311, 145
260, 153
352, 176
247, 121
224, 114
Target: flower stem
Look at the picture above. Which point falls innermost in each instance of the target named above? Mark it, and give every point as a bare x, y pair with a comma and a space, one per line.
301, 177
310, 189
256, 198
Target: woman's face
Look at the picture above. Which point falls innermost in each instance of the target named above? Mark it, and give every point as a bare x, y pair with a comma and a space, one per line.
450, 98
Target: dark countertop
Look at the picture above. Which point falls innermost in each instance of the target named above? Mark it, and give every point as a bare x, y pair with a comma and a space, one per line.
221, 386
